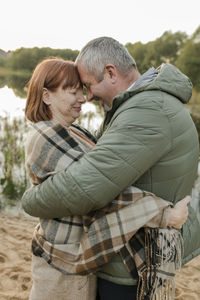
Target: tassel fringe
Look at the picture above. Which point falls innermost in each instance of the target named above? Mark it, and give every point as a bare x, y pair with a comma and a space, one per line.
163, 251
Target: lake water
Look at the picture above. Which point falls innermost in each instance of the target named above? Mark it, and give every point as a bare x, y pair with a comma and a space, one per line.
10, 104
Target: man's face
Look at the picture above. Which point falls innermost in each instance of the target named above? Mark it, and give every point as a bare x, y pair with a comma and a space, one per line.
99, 91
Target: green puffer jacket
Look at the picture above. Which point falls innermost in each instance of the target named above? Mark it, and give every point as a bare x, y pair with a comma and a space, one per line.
149, 139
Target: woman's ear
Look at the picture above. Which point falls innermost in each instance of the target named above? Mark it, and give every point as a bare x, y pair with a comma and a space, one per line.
46, 97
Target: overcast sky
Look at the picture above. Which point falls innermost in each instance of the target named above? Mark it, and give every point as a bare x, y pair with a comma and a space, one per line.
71, 24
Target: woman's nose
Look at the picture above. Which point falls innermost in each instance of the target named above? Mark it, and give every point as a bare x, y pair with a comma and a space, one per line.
82, 99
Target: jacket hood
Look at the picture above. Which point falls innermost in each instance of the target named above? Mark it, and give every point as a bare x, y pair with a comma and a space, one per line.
166, 78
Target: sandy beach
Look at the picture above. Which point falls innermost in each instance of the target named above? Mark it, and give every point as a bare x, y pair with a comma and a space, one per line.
15, 262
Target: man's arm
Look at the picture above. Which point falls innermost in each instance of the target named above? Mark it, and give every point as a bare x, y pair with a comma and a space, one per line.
135, 141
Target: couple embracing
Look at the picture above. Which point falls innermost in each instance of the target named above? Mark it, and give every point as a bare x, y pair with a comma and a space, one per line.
114, 223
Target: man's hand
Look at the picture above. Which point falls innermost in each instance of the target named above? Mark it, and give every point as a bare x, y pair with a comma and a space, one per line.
179, 213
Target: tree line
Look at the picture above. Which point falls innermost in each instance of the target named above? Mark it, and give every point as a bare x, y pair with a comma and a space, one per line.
27, 58
176, 48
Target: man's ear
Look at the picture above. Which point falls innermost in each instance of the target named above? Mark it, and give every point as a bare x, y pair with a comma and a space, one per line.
111, 72
46, 97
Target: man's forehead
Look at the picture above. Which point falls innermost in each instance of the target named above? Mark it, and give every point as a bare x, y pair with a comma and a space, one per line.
86, 78
82, 72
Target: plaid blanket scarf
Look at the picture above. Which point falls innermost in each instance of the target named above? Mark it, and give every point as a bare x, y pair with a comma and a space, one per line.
80, 245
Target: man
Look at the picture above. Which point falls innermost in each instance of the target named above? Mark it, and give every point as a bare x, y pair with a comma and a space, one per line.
147, 139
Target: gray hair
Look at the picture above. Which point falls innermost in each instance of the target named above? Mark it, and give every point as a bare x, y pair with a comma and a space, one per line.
102, 51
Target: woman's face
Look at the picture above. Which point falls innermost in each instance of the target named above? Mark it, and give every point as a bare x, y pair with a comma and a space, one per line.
65, 104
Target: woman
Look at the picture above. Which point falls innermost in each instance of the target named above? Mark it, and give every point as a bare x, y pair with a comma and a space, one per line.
62, 247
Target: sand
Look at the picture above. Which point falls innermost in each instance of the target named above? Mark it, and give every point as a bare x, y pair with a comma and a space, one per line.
15, 262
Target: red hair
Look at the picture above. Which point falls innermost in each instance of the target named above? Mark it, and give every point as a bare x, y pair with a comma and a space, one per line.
50, 74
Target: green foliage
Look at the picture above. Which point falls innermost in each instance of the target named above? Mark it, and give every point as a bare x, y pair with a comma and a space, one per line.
2, 81
195, 99
138, 51
28, 58
189, 59
13, 174
169, 46
164, 49
10, 189
174, 48
195, 114
3, 61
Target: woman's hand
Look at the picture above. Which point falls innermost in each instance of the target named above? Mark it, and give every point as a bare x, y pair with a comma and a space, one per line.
179, 213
